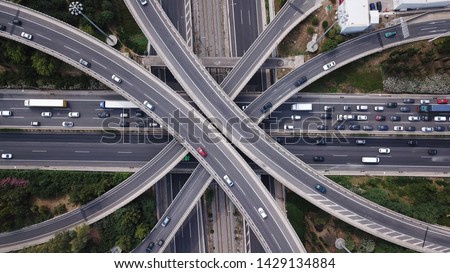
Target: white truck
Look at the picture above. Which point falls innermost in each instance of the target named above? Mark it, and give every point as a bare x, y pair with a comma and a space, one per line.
301, 107
117, 104
45, 103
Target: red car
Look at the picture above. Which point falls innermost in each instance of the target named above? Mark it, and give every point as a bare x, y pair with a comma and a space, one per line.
201, 151
442, 101
380, 118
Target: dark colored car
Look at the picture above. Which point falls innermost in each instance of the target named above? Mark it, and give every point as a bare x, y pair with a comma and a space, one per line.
367, 127
409, 101
405, 109
321, 141
339, 127
325, 116
322, 127
140, 114
140, 123
432, 152
2, 27
372, 6
161, 242
391, 104
266, 107
17, 22
320, 188
124, 124
150, 247
425, 118
439, 128
379, 7
318, 158
301, 81
104, 115
347, 108
395, 118
410, 128
380, 118
354, 127
413, 142
383, 127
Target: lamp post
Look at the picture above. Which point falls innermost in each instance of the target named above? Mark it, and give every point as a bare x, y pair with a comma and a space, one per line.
312, 45
76, 9
340, 244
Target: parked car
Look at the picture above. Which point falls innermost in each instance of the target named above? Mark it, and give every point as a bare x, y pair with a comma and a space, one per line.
372, 6
442, 101
398, 128
361, 117
379, 7
410, 128
395, 118
329, 65
439, 128
427, 129
414, 118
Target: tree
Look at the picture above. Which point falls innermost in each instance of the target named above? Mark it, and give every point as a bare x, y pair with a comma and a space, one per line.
81, 239
315, 21
15, 52
325, 24
329, 45
44, 64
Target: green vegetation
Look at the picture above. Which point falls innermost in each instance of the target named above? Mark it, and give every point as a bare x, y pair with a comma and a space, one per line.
20, 189
356, 75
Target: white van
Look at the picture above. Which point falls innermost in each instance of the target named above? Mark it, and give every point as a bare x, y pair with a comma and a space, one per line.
262, 213
362, 107
6, 113
370, 160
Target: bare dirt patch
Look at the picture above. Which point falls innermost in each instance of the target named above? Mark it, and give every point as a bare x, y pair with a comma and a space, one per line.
51, 204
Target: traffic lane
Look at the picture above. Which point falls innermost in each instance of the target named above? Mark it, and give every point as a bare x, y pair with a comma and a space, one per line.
246, 24
175, 11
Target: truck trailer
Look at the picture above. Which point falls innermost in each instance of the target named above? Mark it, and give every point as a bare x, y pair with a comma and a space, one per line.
301, 107
117, 104
45, 103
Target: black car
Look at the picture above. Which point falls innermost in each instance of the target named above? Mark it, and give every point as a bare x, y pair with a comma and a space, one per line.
354, 127
413, 142
318, 158
150, 247
301, 81
391, 104
405, 109
425, 118
104, 115
322, 127
325, 116
379, 7
17, 22
339, 127
410, 128
367, 127
432, 152
383, 127
2, 27
395, 118
409, 101
266, 107
439, 128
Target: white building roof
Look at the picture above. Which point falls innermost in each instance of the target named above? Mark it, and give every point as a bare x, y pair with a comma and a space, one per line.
417, 1
353, 13
374, 17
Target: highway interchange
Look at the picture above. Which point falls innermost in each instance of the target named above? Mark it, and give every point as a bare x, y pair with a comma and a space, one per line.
234, 112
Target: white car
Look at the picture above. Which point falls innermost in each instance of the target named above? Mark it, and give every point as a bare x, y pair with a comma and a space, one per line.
398, 128
329, 65
384, 151
427, 129
67, 124
262, 213
378, 108
361, 117
288, 127
244, 107
424, 101
296, 117
7, 156
123, 115
228, 180
414, 118
26, 35
47, 114
440, 118
116, 79
74, 114
143, 2
149, 105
